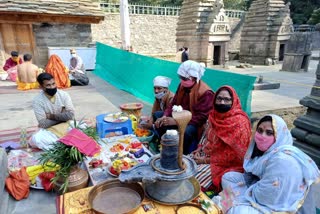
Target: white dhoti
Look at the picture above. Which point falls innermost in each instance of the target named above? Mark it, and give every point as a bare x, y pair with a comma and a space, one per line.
43, 139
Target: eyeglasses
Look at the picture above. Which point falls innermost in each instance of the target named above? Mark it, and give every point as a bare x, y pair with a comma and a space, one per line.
225, 99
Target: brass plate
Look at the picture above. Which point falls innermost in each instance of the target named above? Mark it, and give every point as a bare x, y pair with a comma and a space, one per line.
113, 197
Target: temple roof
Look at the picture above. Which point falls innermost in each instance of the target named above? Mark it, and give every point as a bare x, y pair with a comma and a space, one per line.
74, 8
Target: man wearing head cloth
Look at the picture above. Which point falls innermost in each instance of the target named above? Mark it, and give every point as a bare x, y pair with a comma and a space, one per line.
193, 95
163, 98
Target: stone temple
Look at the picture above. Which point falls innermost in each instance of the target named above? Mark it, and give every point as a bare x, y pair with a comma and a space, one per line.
265, 33
204, 28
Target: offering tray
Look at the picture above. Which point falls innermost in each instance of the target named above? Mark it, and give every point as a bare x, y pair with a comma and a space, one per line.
113, 197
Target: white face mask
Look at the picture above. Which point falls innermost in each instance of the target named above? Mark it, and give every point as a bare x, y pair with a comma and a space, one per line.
73, 55
160, 95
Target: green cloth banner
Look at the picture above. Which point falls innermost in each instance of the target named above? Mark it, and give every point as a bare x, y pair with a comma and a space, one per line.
134, 73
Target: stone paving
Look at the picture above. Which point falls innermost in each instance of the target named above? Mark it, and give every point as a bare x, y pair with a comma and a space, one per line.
101, 97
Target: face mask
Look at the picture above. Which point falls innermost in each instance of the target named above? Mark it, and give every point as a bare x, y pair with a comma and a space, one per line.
222, 108
73, 55
160, 95
263, 142
51, 91
187, 83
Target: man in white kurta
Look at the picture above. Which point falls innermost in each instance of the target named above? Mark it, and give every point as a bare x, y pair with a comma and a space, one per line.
51, 107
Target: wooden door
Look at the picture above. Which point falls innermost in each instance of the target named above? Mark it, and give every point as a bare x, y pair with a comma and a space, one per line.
18, 37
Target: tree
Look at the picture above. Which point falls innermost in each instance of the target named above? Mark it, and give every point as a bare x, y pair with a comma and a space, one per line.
315, 17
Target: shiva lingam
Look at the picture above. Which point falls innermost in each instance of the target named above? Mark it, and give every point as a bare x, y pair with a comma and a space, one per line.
168, 177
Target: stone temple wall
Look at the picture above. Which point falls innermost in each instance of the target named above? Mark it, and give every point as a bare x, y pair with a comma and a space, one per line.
150, 35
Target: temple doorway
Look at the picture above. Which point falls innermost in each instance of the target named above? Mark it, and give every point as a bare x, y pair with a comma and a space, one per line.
216, 54
281, 52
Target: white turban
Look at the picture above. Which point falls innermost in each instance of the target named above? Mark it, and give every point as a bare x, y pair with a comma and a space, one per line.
161, 81
191, 69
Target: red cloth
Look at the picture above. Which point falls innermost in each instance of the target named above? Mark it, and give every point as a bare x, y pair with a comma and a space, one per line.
46, 180
81, 141
10, 63
228, 139
18, 184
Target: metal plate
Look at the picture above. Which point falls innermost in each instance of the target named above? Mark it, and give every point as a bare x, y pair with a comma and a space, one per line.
113, 197
184, 194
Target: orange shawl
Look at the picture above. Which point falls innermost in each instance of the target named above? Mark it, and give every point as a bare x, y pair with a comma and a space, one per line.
60, 73
228, 139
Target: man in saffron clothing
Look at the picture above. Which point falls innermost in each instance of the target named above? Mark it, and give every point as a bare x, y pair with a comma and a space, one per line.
193, 95
59, 71
11, 65
27, 74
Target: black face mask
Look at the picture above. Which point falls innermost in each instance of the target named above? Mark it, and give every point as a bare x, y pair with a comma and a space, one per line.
222, 108
51, 91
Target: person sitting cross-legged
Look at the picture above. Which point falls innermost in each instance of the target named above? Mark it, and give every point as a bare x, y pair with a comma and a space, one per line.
225, 141
278, 176
27, 74
53, 109
193, 95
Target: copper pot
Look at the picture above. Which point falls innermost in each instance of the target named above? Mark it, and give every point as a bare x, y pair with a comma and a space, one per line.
78, 179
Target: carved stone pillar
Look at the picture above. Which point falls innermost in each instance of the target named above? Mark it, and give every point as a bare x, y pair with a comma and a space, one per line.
307, 130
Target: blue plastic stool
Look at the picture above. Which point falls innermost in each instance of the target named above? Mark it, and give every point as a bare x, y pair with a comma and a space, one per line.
104, 127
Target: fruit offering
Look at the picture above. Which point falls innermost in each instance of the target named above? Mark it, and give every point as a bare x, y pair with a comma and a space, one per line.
134, 145
142, 132
117, 148
121, 164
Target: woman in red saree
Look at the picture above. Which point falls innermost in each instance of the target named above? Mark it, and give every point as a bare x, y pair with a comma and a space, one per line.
59, 71
225, 142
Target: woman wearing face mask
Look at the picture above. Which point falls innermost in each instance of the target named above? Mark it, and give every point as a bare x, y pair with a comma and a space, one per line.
277, 178
163, 98
193, 95
225, 142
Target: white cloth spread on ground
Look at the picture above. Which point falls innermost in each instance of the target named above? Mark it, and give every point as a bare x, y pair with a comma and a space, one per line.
61, 106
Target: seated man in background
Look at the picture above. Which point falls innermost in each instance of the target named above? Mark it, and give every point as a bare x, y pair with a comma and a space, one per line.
11, 65
51, 107
77, 72
193, 95
27, 74
163, 98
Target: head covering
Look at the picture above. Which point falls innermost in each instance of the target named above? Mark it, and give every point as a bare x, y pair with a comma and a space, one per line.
191, 68
14, 53
283, 168
58, 70
229, 137
73, 51
161, 81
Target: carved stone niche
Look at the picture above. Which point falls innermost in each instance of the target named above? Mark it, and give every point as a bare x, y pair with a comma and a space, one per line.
307, 130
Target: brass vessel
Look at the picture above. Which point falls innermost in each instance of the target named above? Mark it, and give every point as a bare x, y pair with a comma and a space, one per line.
78, 179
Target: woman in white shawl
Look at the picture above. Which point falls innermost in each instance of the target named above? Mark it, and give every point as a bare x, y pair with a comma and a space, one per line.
277, 178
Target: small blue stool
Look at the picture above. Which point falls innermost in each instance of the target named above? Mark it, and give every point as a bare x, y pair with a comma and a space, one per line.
104, 127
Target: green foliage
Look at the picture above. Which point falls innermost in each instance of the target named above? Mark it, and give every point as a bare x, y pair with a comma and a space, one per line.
235, 4
315, 17
64, 156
